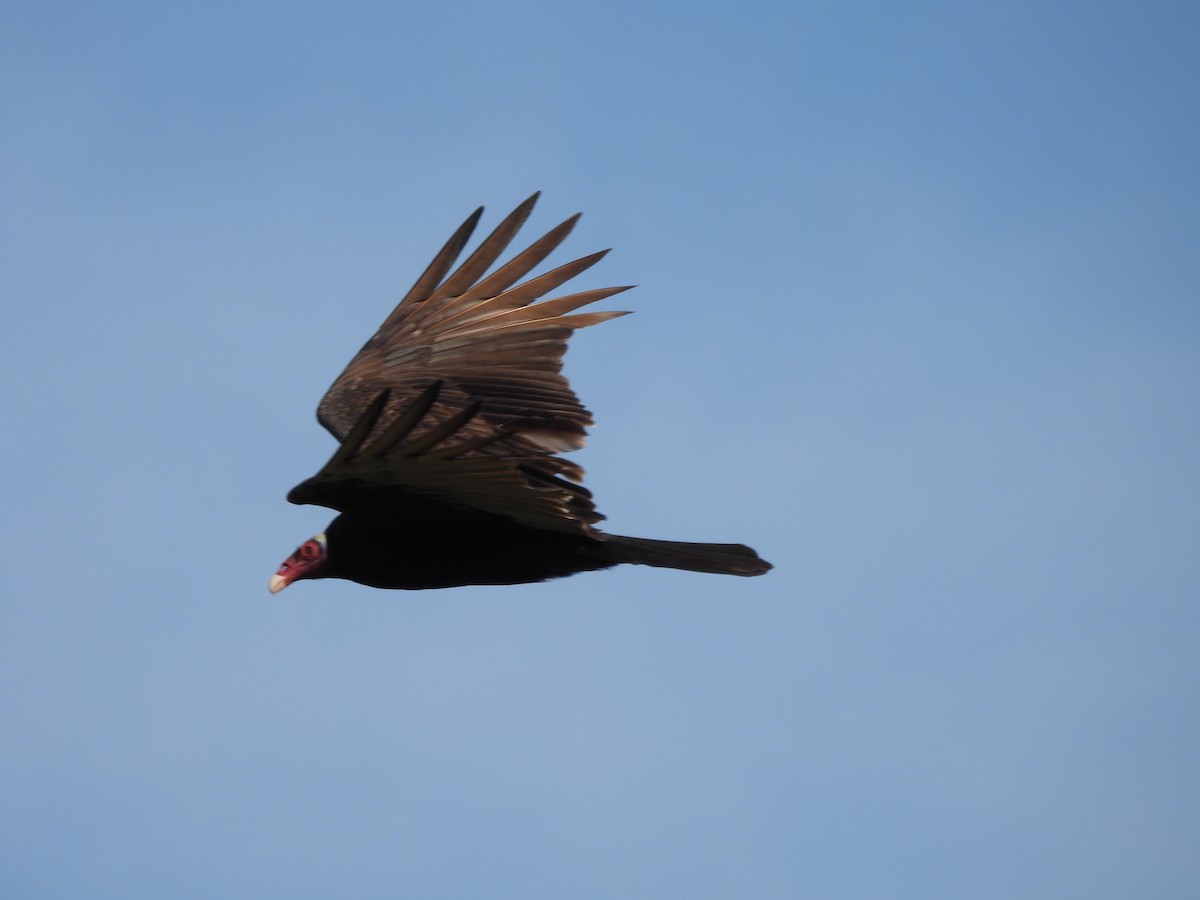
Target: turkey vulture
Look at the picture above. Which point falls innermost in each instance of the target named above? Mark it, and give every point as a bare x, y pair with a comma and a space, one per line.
450, 420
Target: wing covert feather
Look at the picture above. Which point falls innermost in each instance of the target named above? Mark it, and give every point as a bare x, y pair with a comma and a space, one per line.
411, 464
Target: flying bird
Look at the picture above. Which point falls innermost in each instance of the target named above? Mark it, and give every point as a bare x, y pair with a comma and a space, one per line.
451, 419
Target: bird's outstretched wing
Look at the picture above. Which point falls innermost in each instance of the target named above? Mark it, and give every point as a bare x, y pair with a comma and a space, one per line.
440, 471
491, 349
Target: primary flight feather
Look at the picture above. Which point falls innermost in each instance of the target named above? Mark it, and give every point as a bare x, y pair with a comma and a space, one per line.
450, 419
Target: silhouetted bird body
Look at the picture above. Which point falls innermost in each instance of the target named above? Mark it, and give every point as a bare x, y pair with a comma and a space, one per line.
450, 421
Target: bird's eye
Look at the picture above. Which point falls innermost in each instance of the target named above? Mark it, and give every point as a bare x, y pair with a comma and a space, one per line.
308, 550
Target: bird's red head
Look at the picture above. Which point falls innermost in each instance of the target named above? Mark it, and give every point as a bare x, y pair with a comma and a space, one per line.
306, 562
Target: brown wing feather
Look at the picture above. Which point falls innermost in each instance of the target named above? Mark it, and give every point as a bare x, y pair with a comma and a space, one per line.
449, 465
491, 349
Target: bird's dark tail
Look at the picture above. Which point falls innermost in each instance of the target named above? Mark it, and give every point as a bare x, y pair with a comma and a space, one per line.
719, 559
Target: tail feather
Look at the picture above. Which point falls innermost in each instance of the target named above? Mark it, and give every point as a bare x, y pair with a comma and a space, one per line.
718, 559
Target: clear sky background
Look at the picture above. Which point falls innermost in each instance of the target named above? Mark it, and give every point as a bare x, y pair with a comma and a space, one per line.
918, 318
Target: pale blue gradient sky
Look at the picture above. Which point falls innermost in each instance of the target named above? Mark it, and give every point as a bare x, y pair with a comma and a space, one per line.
917, 318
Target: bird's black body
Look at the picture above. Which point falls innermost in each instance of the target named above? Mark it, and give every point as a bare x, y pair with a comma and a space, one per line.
451, 421
411, 555
482, 550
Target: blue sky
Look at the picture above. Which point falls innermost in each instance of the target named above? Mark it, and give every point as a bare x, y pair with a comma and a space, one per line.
917, 317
